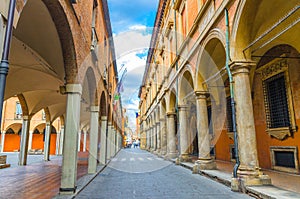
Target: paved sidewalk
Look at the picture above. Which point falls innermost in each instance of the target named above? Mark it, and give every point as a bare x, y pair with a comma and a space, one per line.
134, 173
223, 175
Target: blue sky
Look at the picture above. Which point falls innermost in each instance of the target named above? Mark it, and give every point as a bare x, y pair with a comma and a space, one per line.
132, 22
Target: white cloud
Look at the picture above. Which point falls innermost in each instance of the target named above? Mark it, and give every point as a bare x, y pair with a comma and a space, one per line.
138, 27
131, 41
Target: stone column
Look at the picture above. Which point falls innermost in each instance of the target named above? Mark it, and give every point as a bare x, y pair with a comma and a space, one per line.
70, 147
61, 141
30, 140
184, 144
92, 167
158, 136
79, 140
84, 140
57, 143
204, 160
171, 136
108, 142
112, 145
103, 140
47, 141
148, 140
163, 136
249, 171
24, 140
151, 139
154, 134
2, 141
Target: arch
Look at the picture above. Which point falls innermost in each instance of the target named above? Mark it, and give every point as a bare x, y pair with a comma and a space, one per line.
251, 40
14, 128
211, 58
186, 87
172, 101
163, 108
103, 105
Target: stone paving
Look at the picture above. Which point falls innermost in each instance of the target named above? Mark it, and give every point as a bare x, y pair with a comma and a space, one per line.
37, 180
138, 174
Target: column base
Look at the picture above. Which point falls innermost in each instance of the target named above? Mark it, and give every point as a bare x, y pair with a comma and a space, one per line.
185, 158
249, 177
67, 191
204, 164
170, 156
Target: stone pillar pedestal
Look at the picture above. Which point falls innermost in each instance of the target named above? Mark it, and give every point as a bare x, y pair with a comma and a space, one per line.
171, 136
69, 162
103, 140
24, 140
249, 172
204, 161
163, 136
47, 141
92, 163
183, 153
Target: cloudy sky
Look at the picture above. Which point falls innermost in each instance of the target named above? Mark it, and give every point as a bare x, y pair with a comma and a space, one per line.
132, 22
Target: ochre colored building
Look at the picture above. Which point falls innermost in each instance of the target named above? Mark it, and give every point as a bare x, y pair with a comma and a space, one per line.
185, 96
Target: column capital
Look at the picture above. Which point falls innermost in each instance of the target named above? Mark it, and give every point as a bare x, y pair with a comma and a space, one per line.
171, 114
94, 108
183, 107
242, 66
73, 88
103, 118
202, 94
26, 117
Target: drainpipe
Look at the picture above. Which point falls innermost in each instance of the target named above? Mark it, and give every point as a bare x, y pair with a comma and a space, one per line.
236, 166
4, 65
176, 66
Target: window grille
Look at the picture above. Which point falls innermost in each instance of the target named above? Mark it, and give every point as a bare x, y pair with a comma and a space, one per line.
276, 102
229, 114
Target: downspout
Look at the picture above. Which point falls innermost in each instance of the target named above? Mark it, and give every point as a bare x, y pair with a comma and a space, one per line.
237, 164
176, 67
4, 65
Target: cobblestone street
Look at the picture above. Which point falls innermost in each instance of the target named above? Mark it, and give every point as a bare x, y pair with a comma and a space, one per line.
134, 173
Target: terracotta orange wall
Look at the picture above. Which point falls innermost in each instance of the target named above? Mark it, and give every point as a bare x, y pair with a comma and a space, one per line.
52, 144
192, 6
37, 141
11, 142
222, 147
264, 141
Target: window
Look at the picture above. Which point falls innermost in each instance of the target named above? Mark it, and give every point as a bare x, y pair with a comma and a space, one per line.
229, 115
18, 113
278, 101
284, 158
